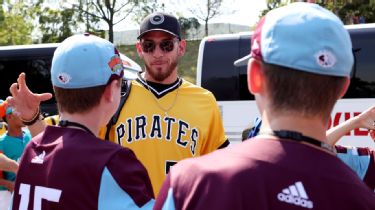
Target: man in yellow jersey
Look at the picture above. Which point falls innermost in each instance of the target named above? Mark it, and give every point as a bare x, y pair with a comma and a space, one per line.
177, 119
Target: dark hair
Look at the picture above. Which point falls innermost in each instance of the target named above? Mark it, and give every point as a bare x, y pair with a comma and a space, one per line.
294, 91
79, 100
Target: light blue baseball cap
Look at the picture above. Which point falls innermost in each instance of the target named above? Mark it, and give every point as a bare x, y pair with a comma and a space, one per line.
85, 60
302, 36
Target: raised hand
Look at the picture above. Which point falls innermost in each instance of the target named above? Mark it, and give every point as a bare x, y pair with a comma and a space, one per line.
25, 102
367, 119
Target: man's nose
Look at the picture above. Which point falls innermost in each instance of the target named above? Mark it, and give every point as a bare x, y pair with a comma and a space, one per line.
158, 52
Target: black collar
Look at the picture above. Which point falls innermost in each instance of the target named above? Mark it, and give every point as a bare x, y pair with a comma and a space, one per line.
299, 137
66, 123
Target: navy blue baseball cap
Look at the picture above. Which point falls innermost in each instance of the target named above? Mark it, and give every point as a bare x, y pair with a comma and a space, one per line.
160, 21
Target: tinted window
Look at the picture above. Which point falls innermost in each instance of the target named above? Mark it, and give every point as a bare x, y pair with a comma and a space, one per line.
218, 73
224, 80
363, 76
244, 50
36, 63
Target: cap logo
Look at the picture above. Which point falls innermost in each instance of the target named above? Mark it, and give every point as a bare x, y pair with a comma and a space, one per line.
157, 19
325, 59
115, 64
63, 78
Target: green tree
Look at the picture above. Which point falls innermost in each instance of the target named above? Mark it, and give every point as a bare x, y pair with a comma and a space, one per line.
57, 24
14, 28
91, 23
349, 11
187, 24
204, 10
110, 11
272, 4
146, 7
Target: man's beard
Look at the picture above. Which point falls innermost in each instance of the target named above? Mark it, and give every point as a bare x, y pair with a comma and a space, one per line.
160, 76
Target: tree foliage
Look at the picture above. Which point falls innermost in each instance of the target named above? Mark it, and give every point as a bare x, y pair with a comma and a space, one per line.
349, 11
110, 11
91, 23
14, 28
57, 24
187, 24
146, 7
205, 10
272, 4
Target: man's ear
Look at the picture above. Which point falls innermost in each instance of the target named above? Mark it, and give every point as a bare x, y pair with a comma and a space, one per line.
139, 49
181, 47
345, 87
254, 76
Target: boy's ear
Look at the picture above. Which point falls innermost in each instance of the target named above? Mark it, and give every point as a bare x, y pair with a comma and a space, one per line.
345, 87
254, 76
110, 91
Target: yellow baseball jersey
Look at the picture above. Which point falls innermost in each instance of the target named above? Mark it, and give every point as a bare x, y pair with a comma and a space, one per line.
52, 120
160, 137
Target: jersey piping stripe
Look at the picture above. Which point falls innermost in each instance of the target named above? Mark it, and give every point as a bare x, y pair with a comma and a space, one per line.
162, 93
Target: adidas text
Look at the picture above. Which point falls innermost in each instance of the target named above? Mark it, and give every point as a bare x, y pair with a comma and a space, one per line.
295, 200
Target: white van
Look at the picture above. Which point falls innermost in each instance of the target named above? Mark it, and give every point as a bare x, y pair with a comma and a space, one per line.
215, 72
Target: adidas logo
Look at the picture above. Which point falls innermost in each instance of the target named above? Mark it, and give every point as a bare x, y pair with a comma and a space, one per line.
295, 194
39, 159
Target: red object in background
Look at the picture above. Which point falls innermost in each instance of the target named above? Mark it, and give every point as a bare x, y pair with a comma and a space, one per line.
3, 108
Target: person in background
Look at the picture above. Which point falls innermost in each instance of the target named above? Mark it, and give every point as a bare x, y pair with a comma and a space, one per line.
67, 166
300, 63
12, 145
360, 159
14, 141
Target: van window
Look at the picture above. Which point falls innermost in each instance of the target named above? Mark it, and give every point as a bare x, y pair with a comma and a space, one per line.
244, 50
36, 63
362, 84
218, 75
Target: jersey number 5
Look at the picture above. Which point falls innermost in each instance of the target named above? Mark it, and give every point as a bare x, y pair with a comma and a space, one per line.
40, 193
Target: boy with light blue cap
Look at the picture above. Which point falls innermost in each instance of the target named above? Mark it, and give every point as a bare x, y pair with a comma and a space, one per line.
69, 161
299, 66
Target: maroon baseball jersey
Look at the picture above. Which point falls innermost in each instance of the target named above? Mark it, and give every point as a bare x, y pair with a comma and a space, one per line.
68, 168
265, 174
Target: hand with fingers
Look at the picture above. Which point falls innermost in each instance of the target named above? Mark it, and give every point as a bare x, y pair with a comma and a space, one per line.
25, 102
366, 119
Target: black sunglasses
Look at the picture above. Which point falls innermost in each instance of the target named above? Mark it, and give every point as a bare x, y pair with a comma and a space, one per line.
149, 46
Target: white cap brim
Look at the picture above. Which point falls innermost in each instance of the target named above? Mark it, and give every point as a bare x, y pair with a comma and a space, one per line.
242, 61
130, 73
131, 68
